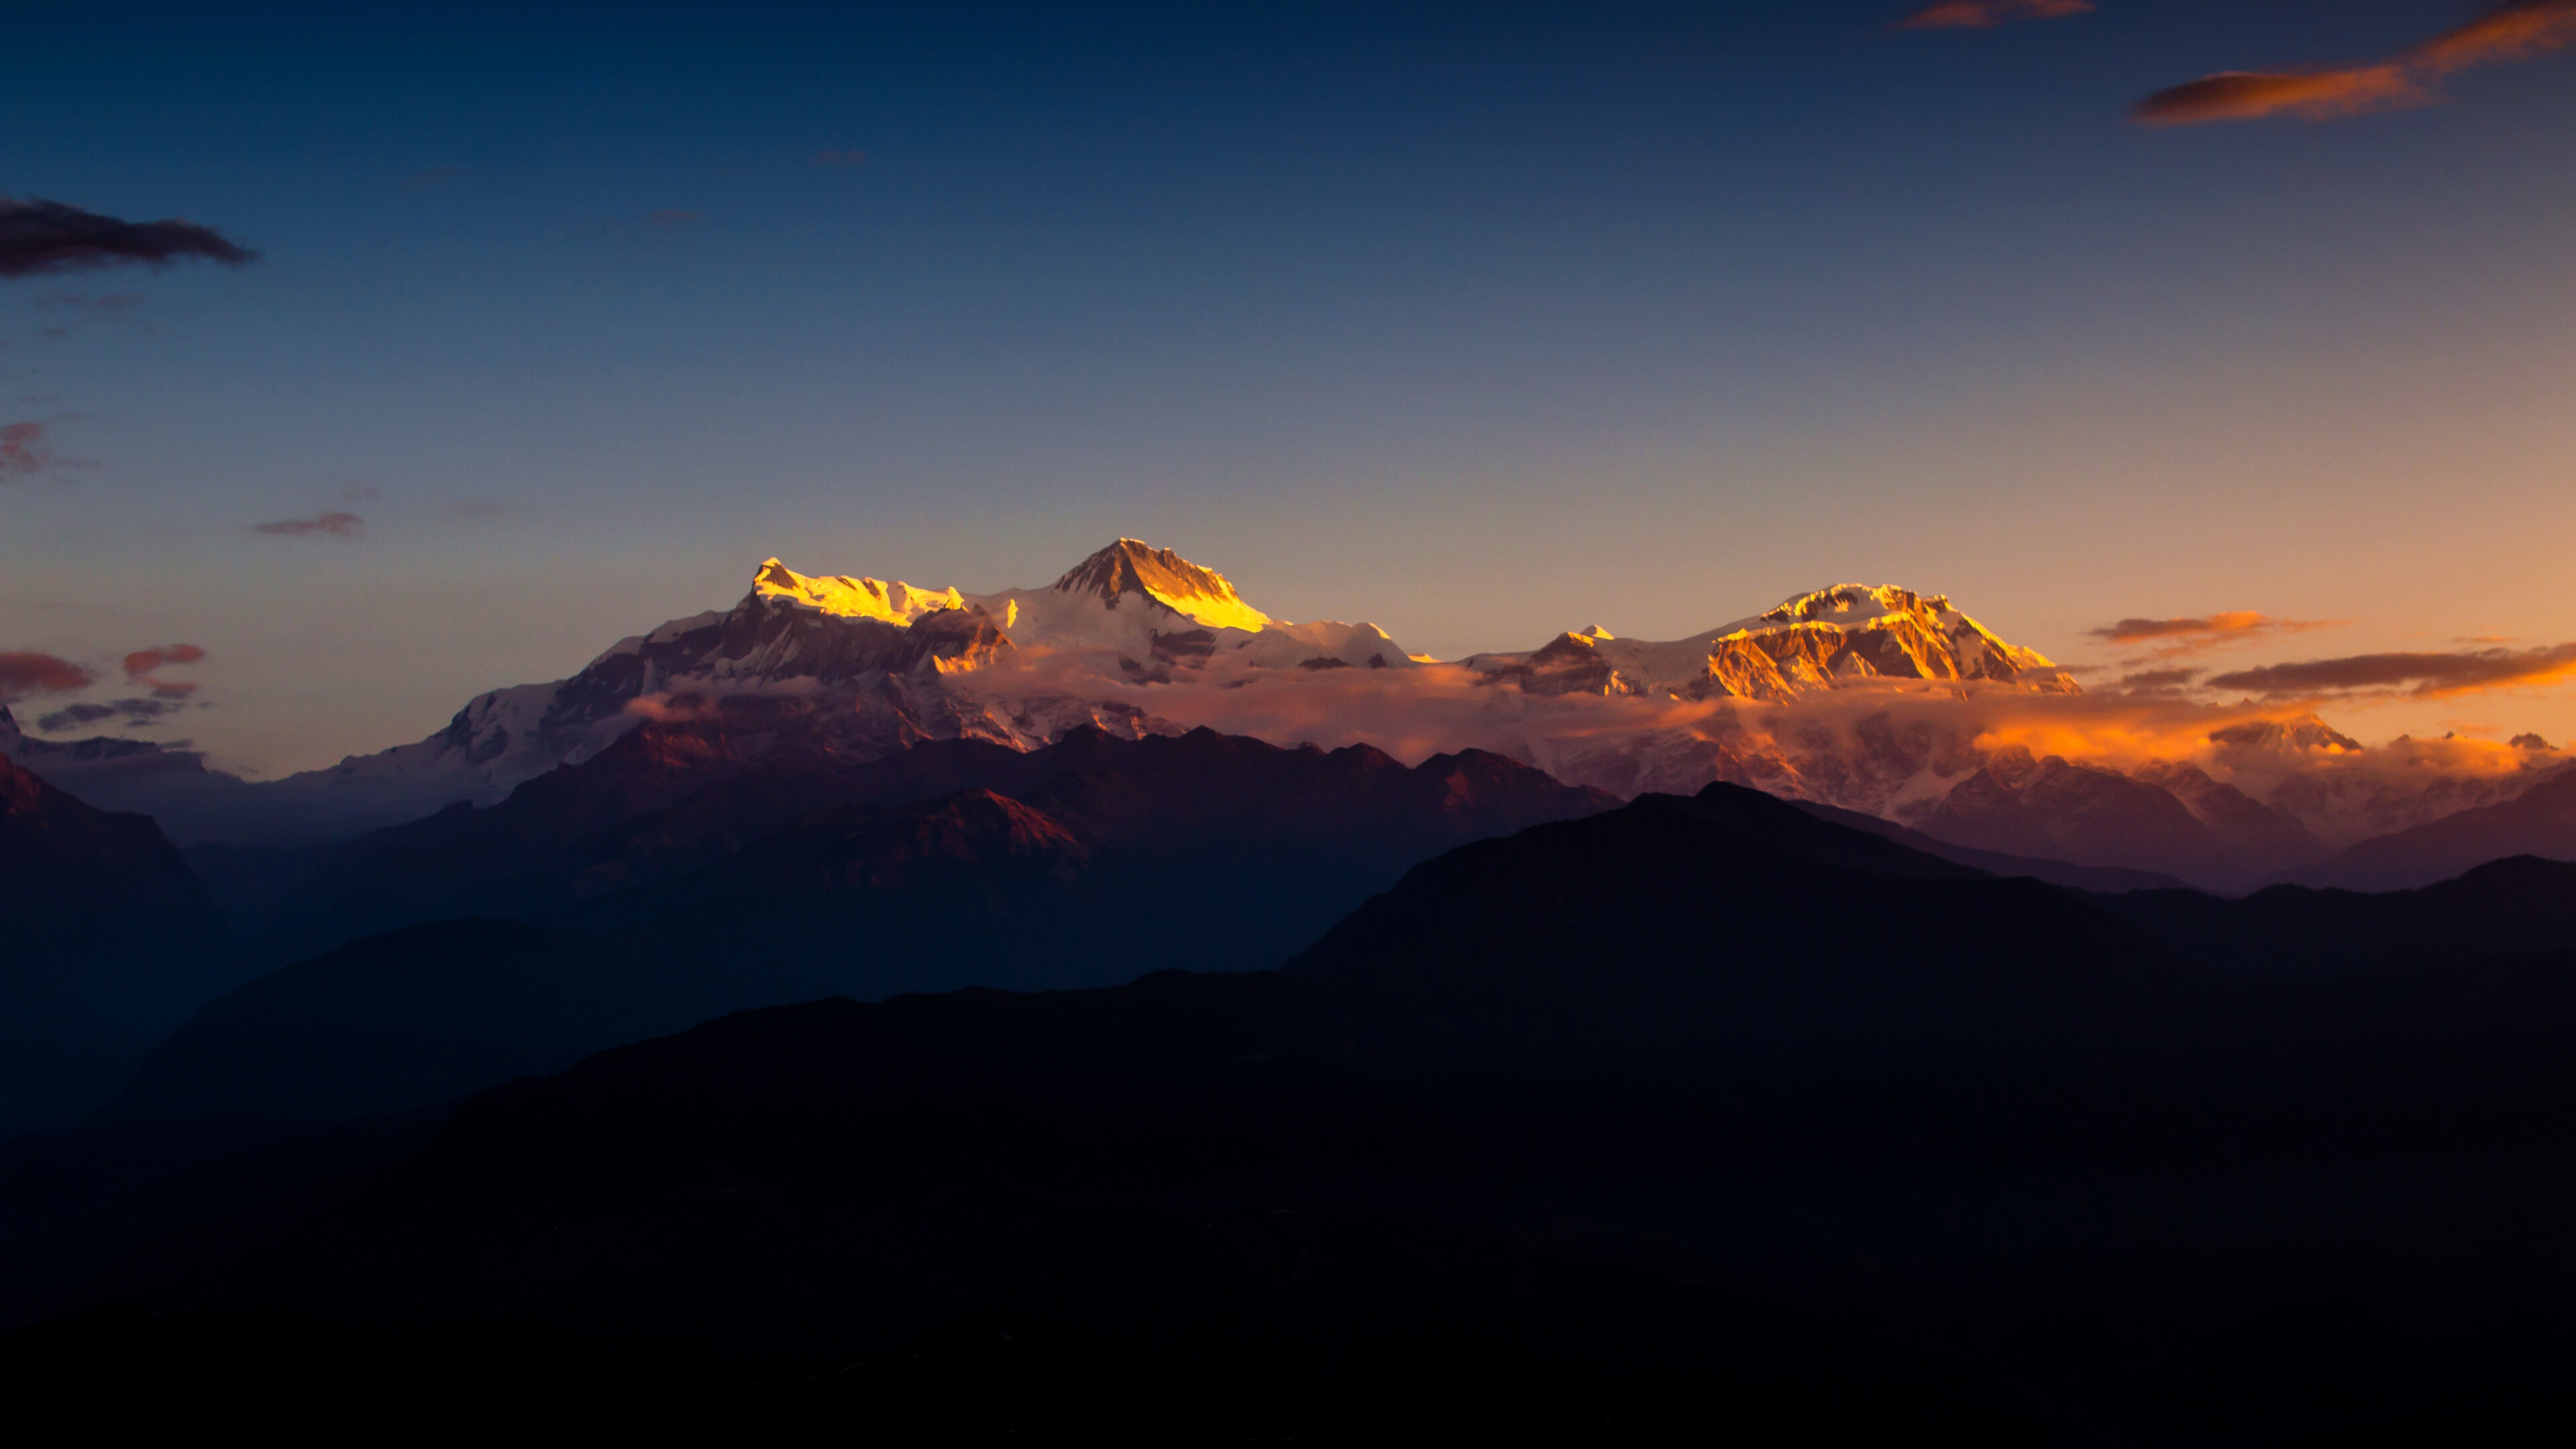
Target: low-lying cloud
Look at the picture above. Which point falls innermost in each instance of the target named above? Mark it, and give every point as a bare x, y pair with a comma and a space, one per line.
131, 711
27, 672
39, 236
335, 524
2425, 676
1987, 14
2521, 30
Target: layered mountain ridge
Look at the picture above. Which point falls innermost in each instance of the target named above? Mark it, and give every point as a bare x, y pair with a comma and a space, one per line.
1873, 698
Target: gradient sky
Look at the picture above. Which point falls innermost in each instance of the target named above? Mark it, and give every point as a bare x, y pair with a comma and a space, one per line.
1480, 322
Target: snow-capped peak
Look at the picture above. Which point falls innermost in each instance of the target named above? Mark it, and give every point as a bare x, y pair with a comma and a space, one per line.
1131, 566
895, 603
1849, 604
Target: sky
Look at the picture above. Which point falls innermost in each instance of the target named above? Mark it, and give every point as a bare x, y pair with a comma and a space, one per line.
2161, 335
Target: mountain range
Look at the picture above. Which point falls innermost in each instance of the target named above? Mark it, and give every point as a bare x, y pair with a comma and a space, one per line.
1869, 698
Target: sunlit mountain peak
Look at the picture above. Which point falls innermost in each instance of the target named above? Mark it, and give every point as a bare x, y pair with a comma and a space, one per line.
896, 603
1134, 567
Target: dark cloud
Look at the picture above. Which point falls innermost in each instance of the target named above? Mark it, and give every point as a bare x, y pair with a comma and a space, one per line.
132, 711
433, 176
2428, 676
338, 525
2516, 31
1987, 14
47, 236
840, 158
2159, 679
27, 672
672, 219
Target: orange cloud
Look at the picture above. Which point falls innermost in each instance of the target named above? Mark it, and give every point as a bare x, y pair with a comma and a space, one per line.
27, 672
2517, 31
2507, 33
2173, 638
140, 665
1987, 14
2433, 676
2252, 95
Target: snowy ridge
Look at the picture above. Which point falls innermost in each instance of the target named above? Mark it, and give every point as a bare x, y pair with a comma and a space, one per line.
1818, 640
1868, 697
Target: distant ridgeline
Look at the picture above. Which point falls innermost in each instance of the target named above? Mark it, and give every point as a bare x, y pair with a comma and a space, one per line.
1877, 699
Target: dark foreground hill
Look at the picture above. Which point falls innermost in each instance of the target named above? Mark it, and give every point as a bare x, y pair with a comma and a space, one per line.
800, 876
1698, 1118
108, 943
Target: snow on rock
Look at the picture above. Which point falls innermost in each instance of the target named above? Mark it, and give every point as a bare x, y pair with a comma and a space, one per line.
1869, 697
1818, 640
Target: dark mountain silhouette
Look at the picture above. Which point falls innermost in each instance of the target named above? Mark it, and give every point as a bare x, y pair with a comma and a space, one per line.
2524, 904
956, 863
109, 941
1588, 1115
2541, 821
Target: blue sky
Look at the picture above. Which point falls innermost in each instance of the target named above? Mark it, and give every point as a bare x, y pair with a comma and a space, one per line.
1481, 322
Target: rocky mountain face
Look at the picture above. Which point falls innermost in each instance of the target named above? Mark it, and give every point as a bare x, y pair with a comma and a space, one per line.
1836, 635
2541, 821
2170, 818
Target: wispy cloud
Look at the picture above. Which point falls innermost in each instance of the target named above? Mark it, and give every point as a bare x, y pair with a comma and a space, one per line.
27, 672
336, 524
2174, 638
840, 158
2158, 680
132, 711
2424, 676
1987, 14
24, 451
2517, 31
142, 666
672, 220
432, 176
41, 236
